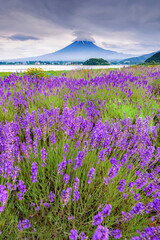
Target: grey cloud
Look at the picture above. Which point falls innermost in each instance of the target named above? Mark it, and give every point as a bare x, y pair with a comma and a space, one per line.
111, 46
83, 36
20, 37
137, 20
104, 14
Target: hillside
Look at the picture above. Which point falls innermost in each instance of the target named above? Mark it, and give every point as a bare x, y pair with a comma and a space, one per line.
155, 58
136, 60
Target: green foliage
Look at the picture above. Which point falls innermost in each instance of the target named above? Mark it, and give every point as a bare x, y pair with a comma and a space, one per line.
38, 72
96, 61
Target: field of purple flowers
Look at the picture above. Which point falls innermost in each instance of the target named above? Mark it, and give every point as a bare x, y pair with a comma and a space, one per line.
80, 156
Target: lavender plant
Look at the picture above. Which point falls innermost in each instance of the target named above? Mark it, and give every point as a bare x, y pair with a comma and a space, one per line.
80, 158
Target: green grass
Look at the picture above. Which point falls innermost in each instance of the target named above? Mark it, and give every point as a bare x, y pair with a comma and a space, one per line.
70, 73
5, 74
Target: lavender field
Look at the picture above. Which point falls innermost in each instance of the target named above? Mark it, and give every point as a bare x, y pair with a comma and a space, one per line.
80, 155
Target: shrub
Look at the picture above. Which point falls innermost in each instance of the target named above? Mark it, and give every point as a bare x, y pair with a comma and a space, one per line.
38, 72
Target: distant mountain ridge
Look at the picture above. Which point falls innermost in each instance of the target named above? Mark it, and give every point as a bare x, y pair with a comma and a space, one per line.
77, 51
136, 60
155, 58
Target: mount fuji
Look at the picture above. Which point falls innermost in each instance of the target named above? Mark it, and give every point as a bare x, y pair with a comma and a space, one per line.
77, 51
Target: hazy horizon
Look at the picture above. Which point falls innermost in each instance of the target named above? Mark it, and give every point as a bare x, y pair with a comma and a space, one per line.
38, 27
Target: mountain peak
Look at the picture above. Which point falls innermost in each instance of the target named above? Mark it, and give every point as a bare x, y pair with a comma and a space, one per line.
79, 50
82, 41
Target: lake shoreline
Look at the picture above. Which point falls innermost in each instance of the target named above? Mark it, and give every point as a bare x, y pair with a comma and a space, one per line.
22, 68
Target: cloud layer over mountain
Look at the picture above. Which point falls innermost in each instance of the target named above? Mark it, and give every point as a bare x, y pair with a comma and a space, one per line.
34, 27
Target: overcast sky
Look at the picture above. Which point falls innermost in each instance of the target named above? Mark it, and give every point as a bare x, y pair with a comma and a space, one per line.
36, 27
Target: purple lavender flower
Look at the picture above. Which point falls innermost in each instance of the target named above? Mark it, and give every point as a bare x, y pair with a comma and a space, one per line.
152, 233
124, 160
46, 205
150, 189
26, 224
1, 208
78, 160
32, 204
22, 189
137, 209
124, 196
66, 178
76, 193
20, 226
90, 175
38, 208
102, 155
106, 180
141, 181
66, 148
60, 169
35, 144
97, 219
51, 196
9, 185
130, 184
116, 233
82, 236
157, 194
15, 173
70, 218
101, 233
52, 138
62, 166
25, 149
113, 161
34, 171
130, 166
73, 235
43, 156
113, 171
23, 224
106, 210
122, 185
65, 195
137, 196
78, 143
126, 216
70, 161
3, 196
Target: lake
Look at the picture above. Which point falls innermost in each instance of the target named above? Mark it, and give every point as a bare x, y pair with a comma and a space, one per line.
21, 68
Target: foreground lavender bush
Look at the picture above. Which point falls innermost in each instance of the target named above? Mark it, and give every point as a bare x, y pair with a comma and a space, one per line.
72, 164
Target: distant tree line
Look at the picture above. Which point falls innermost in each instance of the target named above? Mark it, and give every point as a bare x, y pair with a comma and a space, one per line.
43, 63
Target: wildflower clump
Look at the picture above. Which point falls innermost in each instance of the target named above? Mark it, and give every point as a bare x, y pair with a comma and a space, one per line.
35, 71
